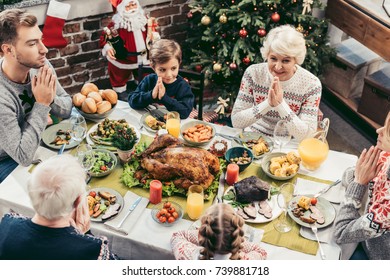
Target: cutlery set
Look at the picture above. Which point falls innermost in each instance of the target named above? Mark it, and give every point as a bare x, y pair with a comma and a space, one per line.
156, 113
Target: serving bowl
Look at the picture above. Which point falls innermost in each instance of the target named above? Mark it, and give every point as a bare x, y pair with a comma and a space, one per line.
96, 116
174, 207
195, 126
266, 162
104, 162
234, 154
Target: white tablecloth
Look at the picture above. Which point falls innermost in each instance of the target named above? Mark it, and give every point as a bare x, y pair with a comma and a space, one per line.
148, 240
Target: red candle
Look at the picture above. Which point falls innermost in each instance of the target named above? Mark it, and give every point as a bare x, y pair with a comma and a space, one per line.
155, 193
232, 173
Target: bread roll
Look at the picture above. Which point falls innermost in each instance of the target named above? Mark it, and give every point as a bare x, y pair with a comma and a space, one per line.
78, 99
96, 96
88, 87
103, 107
110, 95
304, 202
89, 106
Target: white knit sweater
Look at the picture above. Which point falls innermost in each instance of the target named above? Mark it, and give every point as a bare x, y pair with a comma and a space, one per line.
301, 99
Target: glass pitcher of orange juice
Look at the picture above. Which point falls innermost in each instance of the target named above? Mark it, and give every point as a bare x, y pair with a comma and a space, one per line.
314, 149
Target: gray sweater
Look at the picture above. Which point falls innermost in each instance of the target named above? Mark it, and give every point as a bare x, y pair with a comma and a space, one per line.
22, 120
372, 228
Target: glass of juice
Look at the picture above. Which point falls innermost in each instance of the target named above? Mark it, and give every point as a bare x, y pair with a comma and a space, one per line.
195, 201
173, 124
313, 152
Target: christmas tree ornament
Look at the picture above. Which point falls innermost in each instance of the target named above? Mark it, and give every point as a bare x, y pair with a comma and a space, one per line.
275, 17
243, 33
299, 28
56, 15
223, 35
217, 67
246, 60
223, 18
261, 32
306, 6
233, 66
222, 104
190, 15
205, 20
198, 68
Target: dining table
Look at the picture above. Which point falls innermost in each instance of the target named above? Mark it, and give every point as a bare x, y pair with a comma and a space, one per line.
145, 239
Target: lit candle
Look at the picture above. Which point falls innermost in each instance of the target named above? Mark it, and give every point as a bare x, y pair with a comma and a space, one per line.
155, 193
232, 173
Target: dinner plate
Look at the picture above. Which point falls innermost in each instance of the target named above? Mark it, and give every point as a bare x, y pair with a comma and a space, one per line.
323, 205
246, 136
119, 199
148, 128
273, 203
50, 134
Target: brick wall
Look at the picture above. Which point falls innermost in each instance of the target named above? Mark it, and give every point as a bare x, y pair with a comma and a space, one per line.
81, 60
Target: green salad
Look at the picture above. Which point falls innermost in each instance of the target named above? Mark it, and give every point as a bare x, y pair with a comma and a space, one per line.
102, 162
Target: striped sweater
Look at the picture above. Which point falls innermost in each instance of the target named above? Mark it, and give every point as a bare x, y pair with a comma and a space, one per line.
301, 99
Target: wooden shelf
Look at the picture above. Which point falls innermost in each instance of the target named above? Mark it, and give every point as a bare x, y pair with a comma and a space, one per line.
347, 108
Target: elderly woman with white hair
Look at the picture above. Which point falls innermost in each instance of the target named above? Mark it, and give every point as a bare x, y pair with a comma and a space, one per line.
279, 88
57, 231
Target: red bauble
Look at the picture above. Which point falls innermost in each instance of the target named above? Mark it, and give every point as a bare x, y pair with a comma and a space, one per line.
246, 60
243, 33
261, 32
275, 17
190, 15
198, 68
224, 35
233, 66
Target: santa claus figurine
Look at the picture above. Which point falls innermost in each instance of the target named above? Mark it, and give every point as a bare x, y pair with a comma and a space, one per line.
135, 31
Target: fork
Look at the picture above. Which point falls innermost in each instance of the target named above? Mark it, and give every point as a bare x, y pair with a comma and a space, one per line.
315, 230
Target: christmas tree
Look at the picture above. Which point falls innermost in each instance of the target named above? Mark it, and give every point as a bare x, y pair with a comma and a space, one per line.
225, 37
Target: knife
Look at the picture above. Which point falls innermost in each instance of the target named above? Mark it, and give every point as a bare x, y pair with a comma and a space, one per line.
324, 190
132, 207
159, 115
221, 188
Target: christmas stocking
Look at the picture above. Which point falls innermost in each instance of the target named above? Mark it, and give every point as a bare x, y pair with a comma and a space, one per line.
55, 20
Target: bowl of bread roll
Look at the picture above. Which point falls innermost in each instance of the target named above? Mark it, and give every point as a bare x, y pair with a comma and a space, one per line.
281, 166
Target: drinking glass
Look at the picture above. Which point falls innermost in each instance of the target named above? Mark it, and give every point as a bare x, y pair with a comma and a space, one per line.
86, 158
173, 124
283, 224
281, 134
78, 127
195, 201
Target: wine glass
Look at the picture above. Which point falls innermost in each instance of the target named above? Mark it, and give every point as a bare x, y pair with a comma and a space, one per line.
78, 127
283, 224
281, 134
86, 158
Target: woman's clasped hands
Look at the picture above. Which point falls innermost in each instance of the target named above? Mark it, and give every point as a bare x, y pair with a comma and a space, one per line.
275, 93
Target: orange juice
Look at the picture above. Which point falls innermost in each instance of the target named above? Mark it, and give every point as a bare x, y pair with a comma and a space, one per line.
194, 205
173, 127
313, 152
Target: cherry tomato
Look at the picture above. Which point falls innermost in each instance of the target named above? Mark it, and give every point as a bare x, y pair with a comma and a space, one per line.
313, 201
167, 205
171, 220
158, 215
92, 193
162, 219
103, 168
163, 211
175, 215
168, 215
171, 210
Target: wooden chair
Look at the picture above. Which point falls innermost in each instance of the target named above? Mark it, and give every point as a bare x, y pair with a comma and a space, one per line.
194, 79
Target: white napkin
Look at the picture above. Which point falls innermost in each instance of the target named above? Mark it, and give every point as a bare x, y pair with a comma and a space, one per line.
335, 194
130, 221
253, 234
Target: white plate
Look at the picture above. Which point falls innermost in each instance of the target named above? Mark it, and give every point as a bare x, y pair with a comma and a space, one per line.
273, 203
246, 136
119, 199
148, 128
51, 133
323, 205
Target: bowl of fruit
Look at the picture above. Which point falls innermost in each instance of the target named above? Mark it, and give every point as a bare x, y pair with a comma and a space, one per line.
167, 213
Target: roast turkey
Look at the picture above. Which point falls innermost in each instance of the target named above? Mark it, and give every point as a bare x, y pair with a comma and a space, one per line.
167, 159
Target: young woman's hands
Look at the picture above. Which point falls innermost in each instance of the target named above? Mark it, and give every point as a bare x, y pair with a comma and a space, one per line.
159, 89
275, 94
43, 86
366, 166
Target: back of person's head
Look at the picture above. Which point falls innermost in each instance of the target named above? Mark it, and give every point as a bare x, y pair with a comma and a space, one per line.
221, 232
285, 40
55, 185
164, 50
10, 21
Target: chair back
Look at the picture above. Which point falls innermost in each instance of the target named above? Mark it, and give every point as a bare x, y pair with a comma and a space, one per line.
194, 79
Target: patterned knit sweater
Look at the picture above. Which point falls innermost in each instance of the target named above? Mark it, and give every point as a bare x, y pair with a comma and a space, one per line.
373, 227
185, 246
301, 99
